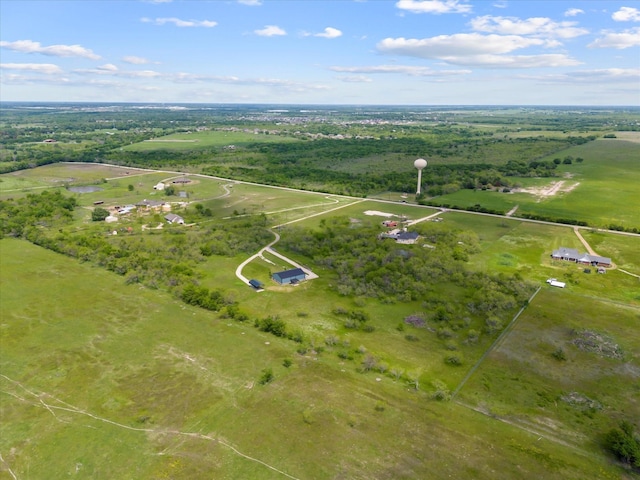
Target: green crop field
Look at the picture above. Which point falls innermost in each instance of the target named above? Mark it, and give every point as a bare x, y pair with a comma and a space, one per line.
206, 139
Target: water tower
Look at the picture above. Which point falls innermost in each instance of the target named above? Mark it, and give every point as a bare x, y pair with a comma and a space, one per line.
420, 164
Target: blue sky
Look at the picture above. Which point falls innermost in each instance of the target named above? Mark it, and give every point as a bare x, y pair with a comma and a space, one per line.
409, 52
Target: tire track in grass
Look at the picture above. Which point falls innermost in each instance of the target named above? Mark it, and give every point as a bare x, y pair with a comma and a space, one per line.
72, 409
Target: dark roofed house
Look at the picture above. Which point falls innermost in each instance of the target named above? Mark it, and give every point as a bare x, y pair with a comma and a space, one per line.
256, 284
289, 276
407, 237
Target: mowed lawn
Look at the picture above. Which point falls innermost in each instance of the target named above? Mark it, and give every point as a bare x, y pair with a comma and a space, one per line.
103, 380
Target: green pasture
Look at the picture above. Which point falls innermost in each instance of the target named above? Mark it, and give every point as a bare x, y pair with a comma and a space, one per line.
206, 139
105, 380
606, 191
569, 399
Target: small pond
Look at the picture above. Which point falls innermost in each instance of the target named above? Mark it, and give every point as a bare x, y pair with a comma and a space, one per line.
85, 189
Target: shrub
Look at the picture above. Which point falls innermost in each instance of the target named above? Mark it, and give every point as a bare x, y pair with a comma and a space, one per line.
266, 377
454, 360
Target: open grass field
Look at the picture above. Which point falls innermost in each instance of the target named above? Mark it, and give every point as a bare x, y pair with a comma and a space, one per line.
589, 390
92, 370
206, 139
104, 380
606, 191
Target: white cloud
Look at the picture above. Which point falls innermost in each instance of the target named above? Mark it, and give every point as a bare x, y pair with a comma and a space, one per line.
29, 46
474, 49
434, 6
459, 44
618, 40
180, 23
110, 69
132, 59
501, 4
414, 71
572, 12
536, 26
597, 76
270, 31
355, 79
627, 14
251, 3
46, 68
329, 32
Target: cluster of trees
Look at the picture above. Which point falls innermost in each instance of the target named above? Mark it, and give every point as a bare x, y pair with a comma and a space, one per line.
624, 443
367, 266
160, 259
202, 297
34, 211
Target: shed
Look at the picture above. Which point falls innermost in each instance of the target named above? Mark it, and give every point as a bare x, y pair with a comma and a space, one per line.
289, 276
256, 284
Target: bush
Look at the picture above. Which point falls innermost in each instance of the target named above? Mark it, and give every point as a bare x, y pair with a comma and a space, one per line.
99, 214
454, 360
266, 377
272, 325
287, 362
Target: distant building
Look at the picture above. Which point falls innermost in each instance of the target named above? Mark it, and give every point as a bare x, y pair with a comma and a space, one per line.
181, 180
150, 204
289, 276
256, 284
173, 218
159, 186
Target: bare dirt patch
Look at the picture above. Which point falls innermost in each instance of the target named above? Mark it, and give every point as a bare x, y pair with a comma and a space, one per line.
593, 342
546, 191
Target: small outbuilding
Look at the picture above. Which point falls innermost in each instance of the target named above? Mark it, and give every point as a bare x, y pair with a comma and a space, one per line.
289, 276
256, 284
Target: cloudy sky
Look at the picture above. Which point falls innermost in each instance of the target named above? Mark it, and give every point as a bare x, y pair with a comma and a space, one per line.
416, 52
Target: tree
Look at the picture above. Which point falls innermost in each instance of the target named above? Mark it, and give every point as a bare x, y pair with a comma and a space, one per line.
99, 214
624, 444
130, 188
170, 190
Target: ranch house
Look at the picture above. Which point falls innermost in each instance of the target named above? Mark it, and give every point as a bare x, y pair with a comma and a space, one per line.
572, 255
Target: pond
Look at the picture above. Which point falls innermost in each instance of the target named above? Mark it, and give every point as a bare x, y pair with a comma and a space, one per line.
85, 189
